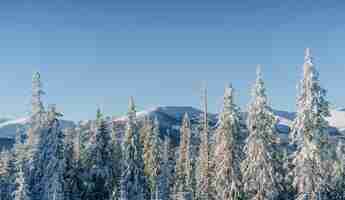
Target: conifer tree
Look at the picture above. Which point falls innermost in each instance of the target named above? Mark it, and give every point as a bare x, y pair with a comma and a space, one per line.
7, 175
37, 124
310, 133
117, 165
72, 180
338, 179
310, 94
21, 192
183, 171
203, 191
227, 156
166, 171
37, 117
153, 166
258, 168
49, 161
99, 163
133, 182
146, 134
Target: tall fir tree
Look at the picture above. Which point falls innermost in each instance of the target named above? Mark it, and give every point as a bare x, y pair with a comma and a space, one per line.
37, 125
165, 175
38, 114
8, 175
337, 191
258, 168
99, 163
183, 171
145, 132
21, 192
146, 135
49, 161
72, 179
117, 164
133, 181
154, 161
311, 102
310, 134
203, 183
228, 151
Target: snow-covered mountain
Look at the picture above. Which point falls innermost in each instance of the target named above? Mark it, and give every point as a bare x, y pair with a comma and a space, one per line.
169, 115
8, 129
337, 119
170, 118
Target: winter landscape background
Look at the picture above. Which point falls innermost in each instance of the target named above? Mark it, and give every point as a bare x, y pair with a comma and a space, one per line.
172, 100
179, 152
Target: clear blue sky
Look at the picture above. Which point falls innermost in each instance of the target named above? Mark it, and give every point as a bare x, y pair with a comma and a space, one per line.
100, 52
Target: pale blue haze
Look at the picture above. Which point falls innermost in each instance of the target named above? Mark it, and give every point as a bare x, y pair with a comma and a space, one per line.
100, 52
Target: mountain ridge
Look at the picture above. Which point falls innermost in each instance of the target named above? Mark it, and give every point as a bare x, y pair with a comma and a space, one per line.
170, 118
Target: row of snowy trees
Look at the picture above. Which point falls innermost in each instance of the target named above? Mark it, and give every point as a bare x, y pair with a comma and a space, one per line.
235, 160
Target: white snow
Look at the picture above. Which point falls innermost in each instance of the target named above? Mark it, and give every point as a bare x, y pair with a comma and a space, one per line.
337, 119
22, 120
139, 114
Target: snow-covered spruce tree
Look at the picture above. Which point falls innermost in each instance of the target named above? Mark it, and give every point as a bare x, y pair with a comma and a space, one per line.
183, 171
117, 164
20, 149
203, 188
310, 133
227, 156
145, 132
21, 192
37, 125
84, 131
2, 175
337, 191
72, 180
49, 162
146, 135
99, 163
77, 143
258, 168
311, 103
165, 171
153, 165
133, 181
7, 175
38, 114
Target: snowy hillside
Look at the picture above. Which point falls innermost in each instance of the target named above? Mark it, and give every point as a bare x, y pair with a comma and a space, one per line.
337, 119
170, 117
9, 127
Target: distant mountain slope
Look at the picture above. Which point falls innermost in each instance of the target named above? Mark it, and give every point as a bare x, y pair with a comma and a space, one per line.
337, 119
2, 120
8, 129
170, 118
